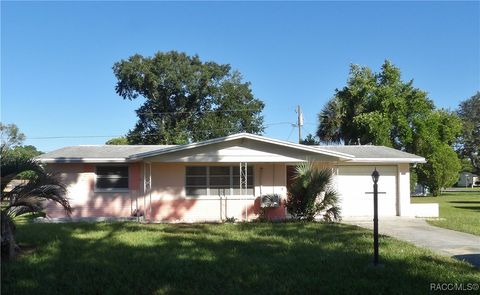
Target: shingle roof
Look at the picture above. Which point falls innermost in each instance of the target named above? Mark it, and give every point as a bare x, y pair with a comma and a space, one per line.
101, 151
370, 151
122, 153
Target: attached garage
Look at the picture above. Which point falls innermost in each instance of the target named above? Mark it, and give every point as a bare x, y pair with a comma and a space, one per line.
355, 186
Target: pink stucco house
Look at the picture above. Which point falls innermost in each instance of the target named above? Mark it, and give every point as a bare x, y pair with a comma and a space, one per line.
222, 178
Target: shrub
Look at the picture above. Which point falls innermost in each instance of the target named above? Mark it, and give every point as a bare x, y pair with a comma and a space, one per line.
311, 194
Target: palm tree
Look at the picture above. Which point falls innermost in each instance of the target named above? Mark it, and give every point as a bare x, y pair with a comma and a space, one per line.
26, 198
330, 122
312, 194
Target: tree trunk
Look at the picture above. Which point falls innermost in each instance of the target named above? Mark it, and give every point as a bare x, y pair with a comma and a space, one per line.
8, 239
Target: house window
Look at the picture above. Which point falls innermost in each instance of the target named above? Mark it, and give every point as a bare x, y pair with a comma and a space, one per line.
112, 178
220, 180
216, 180
196, 181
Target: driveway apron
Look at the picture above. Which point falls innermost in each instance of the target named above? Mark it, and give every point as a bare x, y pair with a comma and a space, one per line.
455, 244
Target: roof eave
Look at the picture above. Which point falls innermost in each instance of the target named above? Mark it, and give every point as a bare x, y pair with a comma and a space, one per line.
81, 160
388, 160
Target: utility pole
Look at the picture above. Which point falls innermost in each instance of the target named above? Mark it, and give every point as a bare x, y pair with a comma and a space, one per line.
299, 123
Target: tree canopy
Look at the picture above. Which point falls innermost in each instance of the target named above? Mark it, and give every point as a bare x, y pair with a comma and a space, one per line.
186, 100
12, 148
310, 140
469, 141
117, 141
12, 143
10, 136
381, 109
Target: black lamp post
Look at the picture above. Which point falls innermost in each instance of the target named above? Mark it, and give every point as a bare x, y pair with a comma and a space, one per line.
375, 177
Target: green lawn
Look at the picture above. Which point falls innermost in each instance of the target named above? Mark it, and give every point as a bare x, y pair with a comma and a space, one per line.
302, 258
458, 211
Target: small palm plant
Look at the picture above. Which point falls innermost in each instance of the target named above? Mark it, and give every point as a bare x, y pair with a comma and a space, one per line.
311, 194
26, 198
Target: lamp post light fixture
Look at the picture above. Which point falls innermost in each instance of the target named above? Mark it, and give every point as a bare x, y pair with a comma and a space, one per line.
375, 177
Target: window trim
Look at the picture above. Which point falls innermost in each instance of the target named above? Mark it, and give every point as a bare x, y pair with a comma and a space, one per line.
111, 190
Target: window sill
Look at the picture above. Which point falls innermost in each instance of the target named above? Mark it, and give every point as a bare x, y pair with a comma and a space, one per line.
111, 190
216, 197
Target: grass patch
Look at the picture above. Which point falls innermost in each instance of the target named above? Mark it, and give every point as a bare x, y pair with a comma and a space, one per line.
458, 211
112, 258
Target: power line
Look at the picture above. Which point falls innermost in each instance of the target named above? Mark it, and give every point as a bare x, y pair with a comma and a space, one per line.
306, 131
195, 112
291, 131
72, 136
146, 133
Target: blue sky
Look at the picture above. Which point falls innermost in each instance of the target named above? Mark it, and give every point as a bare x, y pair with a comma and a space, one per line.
56, 57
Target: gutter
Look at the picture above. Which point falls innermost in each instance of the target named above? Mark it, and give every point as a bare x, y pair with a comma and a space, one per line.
387, 160
82, 160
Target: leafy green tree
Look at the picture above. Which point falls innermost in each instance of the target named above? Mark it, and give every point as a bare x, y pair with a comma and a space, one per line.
187, 100
118, 141
467, 165
469, 141
311, 194
310, 140
11, 136
11, 146
381, 109
441, 169
25, 151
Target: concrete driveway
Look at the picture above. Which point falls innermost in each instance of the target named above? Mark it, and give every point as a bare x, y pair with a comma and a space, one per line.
418, 232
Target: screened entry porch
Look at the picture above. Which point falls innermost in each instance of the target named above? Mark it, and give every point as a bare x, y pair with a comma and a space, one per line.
186, 192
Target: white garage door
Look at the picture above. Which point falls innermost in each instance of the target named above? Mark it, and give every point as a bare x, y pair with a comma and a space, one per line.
353, 183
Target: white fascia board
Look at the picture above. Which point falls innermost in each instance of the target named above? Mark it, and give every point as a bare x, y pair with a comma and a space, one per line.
300, 146
82, 160
388, 160
241, 136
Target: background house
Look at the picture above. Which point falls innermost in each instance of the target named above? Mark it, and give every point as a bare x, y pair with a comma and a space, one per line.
467, 179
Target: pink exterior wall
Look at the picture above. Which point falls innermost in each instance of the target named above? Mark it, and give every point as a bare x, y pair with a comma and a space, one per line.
167, 200
170, 203
85, 201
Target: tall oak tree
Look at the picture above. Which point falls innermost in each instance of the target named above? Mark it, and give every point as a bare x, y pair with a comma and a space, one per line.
186, 99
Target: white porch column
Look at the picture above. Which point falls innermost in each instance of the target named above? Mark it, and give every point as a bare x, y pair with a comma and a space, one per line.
244, 185
147, 189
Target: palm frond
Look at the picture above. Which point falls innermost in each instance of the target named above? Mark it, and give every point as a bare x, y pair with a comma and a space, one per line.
43, 186
311, 193
12, 167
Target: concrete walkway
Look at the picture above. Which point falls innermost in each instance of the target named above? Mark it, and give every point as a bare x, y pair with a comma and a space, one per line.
418, 232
